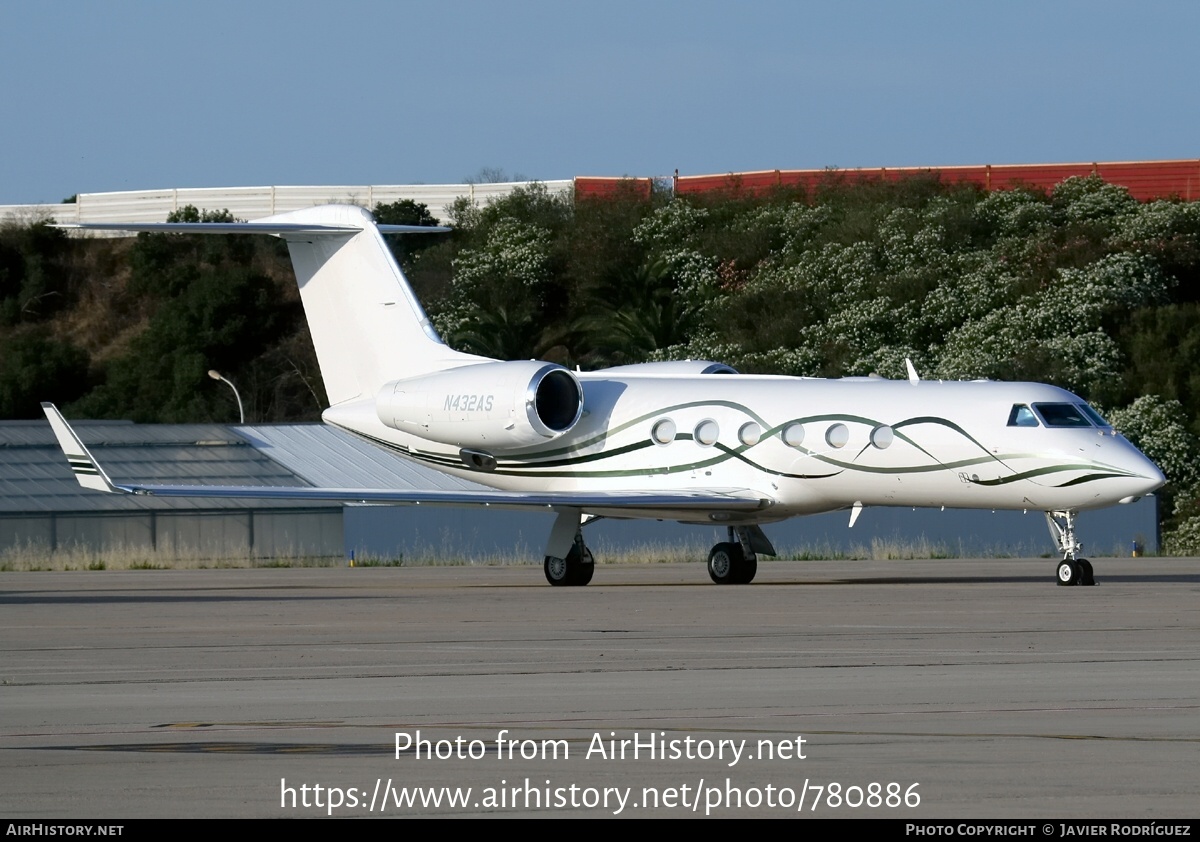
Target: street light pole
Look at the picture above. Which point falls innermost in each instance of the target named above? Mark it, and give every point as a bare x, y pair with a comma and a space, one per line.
216, 375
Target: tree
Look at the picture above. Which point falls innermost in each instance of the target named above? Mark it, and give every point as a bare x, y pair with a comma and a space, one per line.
35, 272
190, 213
35, 368
404, 212
493, 175
630, 319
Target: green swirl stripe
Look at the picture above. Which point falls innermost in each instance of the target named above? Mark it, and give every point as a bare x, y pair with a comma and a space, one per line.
536, 464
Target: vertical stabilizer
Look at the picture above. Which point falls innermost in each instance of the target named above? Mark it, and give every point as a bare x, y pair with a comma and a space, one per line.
367, 325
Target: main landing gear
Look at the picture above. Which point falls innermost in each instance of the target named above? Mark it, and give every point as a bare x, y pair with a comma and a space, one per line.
574, 570
1071, 570
568, 560
735, 562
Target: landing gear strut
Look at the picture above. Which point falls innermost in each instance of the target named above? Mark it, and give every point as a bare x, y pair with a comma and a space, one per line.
1071, 570
735, 562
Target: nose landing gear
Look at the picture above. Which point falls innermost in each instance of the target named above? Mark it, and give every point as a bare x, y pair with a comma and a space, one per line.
1071, 570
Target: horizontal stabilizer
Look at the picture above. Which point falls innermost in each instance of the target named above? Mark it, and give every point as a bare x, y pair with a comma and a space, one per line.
367, 326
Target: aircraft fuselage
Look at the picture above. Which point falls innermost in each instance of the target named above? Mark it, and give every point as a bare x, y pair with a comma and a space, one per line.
809, 445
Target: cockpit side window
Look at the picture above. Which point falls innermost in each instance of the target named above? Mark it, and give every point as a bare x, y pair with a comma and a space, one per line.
1095, 416
1062, 415
1022, 416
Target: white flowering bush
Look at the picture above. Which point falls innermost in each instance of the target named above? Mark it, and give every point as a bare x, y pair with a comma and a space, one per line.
860, 329
1014, 213
838, 274
515, 253
796, 225
797, 362
1161, 220
1159, 429
671, 226
696, 280
1081, 199
511, 269
1057, 331
1183, 540
972, 287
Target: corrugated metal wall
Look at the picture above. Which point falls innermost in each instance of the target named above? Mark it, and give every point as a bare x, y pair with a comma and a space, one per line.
1145, 180
218, 534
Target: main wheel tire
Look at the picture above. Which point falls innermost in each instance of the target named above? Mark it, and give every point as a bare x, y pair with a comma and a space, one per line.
574, 570
1086, 576
584, 566
725, 563
1068, 572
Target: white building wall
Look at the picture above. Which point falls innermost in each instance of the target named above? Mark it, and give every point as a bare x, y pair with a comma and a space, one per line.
257, 202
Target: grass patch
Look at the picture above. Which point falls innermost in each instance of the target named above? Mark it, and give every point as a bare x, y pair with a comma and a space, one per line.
371, 561
40, 558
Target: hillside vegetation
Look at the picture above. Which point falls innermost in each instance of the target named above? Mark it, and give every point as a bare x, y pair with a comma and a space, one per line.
1082, 287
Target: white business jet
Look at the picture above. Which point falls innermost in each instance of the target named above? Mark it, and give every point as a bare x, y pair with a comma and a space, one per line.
690, 441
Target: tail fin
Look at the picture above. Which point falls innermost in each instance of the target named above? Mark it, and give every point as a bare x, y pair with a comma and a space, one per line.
367, 325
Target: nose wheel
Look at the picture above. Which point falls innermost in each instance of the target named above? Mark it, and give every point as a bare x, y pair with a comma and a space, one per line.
1071, 570
1075, 572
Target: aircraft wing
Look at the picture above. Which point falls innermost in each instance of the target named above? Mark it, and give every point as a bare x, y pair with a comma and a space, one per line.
90, 475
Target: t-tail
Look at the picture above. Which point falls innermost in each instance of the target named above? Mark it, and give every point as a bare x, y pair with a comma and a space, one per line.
367, 326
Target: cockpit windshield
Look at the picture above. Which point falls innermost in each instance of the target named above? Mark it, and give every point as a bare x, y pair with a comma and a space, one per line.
1095, 416
1062, 415
1056, 415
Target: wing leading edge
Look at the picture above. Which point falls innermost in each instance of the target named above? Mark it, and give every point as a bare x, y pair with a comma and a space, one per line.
90, 475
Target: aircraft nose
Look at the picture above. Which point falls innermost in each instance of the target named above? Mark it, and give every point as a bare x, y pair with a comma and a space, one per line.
1149, 477
1155, 478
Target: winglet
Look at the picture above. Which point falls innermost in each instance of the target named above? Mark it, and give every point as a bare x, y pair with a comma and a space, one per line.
87, 470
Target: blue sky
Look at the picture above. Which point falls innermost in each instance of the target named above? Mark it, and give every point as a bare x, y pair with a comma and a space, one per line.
100, 96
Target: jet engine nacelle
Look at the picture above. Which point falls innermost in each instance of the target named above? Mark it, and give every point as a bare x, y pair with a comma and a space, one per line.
491, 406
